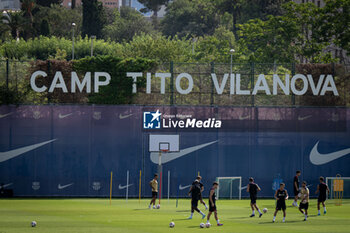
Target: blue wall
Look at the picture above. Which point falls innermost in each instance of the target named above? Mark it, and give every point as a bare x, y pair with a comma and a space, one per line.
92, 141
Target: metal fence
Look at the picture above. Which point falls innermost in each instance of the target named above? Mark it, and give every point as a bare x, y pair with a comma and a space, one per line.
14, 76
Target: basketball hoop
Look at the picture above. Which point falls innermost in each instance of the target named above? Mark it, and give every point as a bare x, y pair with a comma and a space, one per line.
164, 151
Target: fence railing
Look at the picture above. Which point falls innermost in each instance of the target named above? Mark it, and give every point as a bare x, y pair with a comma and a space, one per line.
15, 85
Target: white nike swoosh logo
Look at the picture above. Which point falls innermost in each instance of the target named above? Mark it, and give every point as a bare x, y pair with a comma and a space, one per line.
319, 159
4, 156
244, 117
174, 155
5, 115
64, 186
124, 116
300, 118
6, 185
64, 116
123, 187
184, 187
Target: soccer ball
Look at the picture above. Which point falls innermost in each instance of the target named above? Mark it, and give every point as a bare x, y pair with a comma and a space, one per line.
33, 224
202, 225
265, 210
158, 206
299, 195
171, 224
207, 225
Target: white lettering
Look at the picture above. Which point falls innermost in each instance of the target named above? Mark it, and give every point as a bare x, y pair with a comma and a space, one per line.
232, 84
315, 90
148, 83
278, 82
293, 87
61, 84
178, 82
162, 77
219, 88
32, 81
238, 86
99, 83
134, 76
263, 87
85, 82
333, 88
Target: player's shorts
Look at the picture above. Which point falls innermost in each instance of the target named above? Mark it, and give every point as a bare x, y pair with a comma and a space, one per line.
200, 196
321, 198
154, 194
281, 206
212, 208
194, 203
304, 206
296, 192
253, 200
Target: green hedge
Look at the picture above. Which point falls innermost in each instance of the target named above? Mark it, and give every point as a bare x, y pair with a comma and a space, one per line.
119, 90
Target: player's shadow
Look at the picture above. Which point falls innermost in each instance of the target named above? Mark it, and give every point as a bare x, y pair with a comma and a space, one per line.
181, 219
182, 211
266, 222
279, 222
238, 217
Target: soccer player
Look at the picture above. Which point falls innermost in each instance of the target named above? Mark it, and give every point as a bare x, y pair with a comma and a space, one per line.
252, 189
154, 185
296, 188
304, 196
322, 189
281, 196
212, 204
199, 178
195, 191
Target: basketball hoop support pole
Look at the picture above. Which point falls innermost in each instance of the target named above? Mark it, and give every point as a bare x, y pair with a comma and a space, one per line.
160, 174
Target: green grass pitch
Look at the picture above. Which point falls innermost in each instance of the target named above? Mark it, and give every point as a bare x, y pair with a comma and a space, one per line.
96, 215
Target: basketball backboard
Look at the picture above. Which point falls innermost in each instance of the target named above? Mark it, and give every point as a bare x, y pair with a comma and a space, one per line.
160, 142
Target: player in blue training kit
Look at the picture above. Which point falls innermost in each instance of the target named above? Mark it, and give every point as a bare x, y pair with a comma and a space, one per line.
322, 189
195, 192
281, 196
252, 189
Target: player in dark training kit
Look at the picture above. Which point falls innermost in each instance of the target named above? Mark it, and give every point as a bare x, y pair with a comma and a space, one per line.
195, 192
281, 196
322, 189
199, 178
296, 188
212, 204
252, 189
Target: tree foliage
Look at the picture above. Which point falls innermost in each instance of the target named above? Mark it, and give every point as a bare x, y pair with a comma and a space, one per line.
48, 3
287, 38
94, 18
119, 91
60, 20
13, 22
333, 24
190, 18
127, 23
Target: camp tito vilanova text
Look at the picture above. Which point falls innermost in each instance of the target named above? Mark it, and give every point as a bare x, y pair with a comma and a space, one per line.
298, 84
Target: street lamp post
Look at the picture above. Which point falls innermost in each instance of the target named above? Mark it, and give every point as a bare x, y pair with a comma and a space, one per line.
231, 52
92, 45
73, 26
